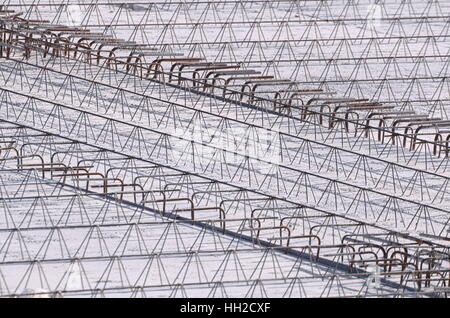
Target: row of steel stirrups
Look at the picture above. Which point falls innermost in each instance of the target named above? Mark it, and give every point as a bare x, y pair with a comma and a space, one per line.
403, 127
82, 177
419, 264
78, 43
242, 85
230, 79
397, 127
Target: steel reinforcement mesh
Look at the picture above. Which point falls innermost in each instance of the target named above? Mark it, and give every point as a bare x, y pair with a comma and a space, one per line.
283, 148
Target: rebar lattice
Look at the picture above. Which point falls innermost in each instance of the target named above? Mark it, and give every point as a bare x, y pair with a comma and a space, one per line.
214, 148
